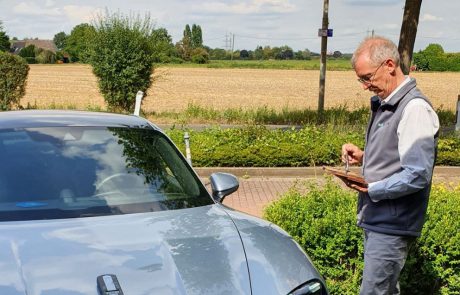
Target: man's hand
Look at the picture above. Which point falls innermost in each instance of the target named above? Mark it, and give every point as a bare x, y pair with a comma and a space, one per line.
354, 185
353, 153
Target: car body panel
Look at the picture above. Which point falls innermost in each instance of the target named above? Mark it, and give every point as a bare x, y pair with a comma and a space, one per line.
187, 251
277, 264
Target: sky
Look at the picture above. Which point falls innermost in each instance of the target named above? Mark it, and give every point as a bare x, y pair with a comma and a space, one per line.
248, 22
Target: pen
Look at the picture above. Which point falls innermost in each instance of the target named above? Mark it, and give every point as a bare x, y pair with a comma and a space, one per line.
347, 165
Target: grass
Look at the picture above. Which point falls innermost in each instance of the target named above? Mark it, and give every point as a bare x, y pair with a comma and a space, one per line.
313, 64
337, 116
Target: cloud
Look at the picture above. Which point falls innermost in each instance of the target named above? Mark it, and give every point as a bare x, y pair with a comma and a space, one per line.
392, 26
249, 7
81, 14
31, 8
49, 3
430, 18
373, 2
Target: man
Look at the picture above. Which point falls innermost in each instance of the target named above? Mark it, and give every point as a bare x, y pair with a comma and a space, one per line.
398, 161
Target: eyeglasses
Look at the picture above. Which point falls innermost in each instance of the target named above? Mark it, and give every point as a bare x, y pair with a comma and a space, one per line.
368, 80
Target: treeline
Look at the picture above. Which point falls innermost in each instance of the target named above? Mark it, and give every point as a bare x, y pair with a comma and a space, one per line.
79, 44
189, 49
433, 58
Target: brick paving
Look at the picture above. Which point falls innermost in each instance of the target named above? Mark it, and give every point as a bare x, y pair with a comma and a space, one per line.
255, 193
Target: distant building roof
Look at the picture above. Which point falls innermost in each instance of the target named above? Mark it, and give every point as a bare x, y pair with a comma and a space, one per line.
16, 46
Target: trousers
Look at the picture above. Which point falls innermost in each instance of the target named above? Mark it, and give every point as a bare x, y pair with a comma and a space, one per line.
384, 258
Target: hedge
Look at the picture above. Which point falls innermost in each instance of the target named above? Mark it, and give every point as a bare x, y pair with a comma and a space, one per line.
258, 146
323, 222
13, 78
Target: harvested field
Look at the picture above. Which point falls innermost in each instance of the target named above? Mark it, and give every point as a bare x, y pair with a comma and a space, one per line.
74, 86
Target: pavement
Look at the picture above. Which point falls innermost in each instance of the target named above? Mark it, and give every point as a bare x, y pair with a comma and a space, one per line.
261, 186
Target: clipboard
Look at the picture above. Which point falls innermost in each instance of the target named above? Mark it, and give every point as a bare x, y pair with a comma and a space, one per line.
347, 177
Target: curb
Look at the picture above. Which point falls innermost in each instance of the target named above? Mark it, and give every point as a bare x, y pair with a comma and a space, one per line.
297, 171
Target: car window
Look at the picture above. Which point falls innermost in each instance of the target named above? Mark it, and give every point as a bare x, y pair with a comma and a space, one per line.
67, 172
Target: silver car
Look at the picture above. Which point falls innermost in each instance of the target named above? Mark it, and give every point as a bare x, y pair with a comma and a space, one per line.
97, 203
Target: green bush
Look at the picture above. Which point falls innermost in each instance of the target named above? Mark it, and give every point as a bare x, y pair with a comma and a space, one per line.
199, 56
258, 146
122, 58
46, 57
323, 219
30, 60
433, 58
28, 51
323, 222
449, 151
13, 77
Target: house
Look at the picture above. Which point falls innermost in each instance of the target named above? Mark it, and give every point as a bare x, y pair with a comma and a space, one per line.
16, 46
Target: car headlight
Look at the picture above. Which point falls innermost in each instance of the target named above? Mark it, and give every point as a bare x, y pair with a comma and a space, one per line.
310, 288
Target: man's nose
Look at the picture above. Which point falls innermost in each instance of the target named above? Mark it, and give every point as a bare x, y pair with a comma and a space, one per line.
365, 86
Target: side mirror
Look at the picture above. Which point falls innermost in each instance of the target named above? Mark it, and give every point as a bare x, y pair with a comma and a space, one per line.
223, 184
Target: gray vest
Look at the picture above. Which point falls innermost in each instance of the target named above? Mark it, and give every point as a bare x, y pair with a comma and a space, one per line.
404, 215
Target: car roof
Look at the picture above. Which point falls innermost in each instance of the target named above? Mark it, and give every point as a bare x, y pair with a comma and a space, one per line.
56, 118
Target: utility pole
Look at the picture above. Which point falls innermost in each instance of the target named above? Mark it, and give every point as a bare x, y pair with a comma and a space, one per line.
322, 68
233, 44
227, 42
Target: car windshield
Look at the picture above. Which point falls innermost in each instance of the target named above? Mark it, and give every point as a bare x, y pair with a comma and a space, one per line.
69, 172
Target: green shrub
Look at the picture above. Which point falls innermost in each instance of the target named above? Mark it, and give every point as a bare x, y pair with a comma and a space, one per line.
122, 58
30, 60
433, 266
46, 57
259, 146
28, 51
13, 77
199, 56
449, 151
323, 222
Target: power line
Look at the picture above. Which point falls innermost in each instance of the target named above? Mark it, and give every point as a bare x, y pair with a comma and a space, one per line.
279, 39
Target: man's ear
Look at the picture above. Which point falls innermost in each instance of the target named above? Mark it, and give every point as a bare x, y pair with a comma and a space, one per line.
391, 65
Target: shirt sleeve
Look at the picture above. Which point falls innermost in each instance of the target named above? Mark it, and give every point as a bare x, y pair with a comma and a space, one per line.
416, 147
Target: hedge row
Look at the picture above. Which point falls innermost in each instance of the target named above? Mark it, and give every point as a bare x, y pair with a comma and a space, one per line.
258, 146
323, 222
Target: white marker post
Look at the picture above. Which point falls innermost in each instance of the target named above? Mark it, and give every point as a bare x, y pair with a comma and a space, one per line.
457, 122
137, 108
188, 155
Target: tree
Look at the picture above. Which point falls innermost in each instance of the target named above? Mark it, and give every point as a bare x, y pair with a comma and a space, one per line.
408, 33
217, 54
13, 77
123, 57
259, 53
4, 40
79, 42
60, 40
267, 52
187, 32
244, 54
196, 36
163, 46
186, 45
283, 52
28, 53
432, 58
303, 55
199, 55
337, 54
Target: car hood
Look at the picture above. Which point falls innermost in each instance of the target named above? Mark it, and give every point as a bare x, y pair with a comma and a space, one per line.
187, 251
